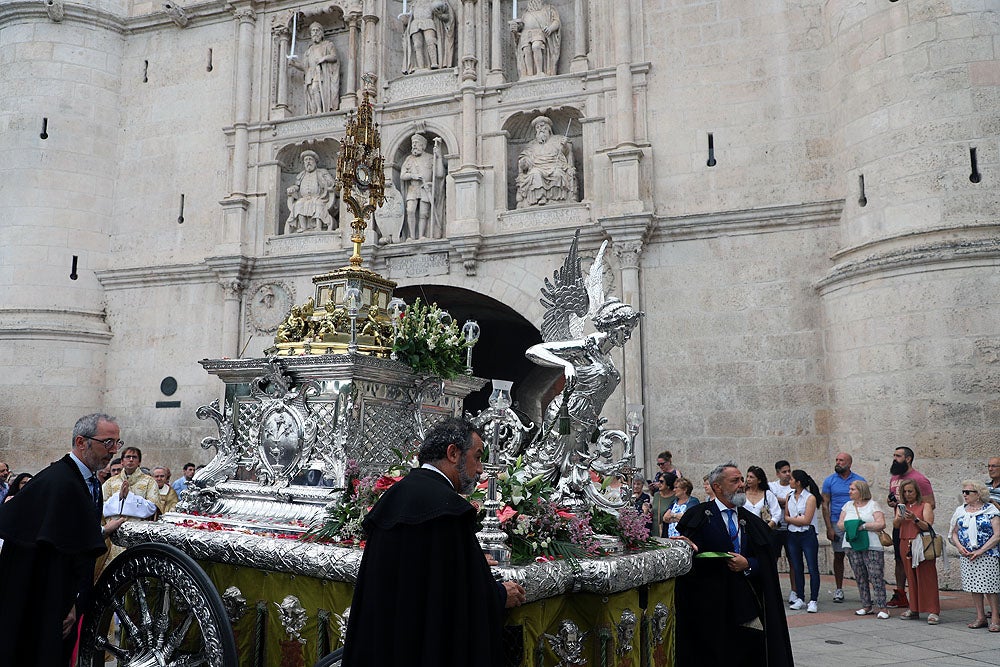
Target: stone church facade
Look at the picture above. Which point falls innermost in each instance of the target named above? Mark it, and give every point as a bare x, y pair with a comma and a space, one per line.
801, 195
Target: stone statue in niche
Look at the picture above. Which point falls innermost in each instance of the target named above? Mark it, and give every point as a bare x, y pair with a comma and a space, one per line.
537, 40
311, 198
321, 70
421, 177
428, 35
545, 171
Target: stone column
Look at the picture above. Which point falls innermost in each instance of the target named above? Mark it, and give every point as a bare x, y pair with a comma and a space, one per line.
579, 62
623, 72
369, 26
349, 100
282, 33
469, 76
232, 294
495, 74
628, 254
244, 68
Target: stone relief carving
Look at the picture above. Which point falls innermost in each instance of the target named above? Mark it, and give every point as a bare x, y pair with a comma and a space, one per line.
176, 14
421, 179
537, 40
268, 305
392, 213
311, 198
545, 170
56, 10
321, 69
428, 35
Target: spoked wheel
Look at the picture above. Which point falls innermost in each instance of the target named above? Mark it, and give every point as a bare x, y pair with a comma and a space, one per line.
155, 607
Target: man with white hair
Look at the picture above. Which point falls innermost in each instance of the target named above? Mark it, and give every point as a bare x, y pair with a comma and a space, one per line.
732, 590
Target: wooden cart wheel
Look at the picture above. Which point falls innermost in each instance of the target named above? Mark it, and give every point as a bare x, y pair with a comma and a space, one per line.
155, 607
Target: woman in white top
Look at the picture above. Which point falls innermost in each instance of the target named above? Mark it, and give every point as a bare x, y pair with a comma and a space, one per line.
759, 496
861, 521
802, 516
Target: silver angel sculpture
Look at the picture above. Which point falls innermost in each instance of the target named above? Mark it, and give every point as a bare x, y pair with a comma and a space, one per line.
572, 442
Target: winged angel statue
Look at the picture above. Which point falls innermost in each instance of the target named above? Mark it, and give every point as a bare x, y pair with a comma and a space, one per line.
571, 441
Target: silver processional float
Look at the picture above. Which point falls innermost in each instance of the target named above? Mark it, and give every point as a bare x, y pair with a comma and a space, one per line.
225, 580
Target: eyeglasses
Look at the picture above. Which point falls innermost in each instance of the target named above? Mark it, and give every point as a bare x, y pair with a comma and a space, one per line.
109, 443
965, 492
993, 465
661, 463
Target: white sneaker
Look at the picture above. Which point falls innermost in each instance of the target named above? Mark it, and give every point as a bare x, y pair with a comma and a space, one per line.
798, 604
813, 607
882, 615
792, 597
838, 595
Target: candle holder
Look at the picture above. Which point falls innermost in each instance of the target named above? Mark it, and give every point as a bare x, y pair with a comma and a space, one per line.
352, 299
470, 332
396, 308
633, 420
492, 538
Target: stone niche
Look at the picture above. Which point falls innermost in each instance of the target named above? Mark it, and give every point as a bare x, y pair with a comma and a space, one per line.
291, 164
335, 31
521, 132
437, 225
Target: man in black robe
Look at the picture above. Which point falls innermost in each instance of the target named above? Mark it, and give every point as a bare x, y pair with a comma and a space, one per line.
731, 600
52, 536
425, 595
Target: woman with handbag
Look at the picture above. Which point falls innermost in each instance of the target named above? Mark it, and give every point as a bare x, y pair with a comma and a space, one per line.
760, 499
861, 521
913, 517
975, 532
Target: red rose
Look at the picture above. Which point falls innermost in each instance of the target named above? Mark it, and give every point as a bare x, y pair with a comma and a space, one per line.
506, 513
385, 482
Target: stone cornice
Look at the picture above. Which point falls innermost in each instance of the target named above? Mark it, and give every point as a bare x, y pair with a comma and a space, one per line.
63, 324
748, 221
149, 276
81, 12
934, 256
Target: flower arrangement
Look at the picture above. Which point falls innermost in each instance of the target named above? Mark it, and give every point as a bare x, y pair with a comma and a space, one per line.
342, 520
429, 341
537, 528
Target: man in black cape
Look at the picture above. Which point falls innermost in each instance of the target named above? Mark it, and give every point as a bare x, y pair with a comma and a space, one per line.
731, 600
425, 595
52, 536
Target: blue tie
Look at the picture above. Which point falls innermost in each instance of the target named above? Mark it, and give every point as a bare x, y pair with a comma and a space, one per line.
733, 532
95, 491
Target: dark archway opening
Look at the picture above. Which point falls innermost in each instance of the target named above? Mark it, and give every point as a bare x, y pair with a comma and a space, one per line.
499, 354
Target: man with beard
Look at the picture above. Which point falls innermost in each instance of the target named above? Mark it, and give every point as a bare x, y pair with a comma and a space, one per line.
732, 590
902, 468
52, 536
425, 594
836, 492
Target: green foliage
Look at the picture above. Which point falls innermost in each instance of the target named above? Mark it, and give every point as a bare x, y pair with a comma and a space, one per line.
429, 341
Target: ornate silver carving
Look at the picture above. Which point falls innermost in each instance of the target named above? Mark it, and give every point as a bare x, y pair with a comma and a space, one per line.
342, 621
293, 617
568, 644
236, 604
660, 615
563, 449
159, 605
626, 631
604, 576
